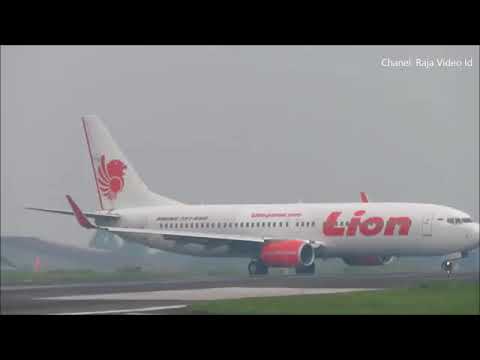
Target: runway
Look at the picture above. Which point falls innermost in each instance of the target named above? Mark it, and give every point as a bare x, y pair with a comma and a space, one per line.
174, 296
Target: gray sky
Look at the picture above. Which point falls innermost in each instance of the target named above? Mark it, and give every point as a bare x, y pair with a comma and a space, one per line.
237, 125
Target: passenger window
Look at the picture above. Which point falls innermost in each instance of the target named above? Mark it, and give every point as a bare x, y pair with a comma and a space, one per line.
176, 225
280, 224
247, 224
224, 225
241, 224
263, 224
258, 224
286, 223
303, 224
313, 223
236, 224
268, 224
296, 224
181, 225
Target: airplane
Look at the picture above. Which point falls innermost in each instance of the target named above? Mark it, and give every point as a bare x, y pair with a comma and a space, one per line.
270, 235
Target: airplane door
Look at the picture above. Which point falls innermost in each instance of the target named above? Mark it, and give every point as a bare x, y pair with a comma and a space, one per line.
427, 225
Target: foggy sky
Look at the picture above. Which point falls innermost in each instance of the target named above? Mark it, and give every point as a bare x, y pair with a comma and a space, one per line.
237, 125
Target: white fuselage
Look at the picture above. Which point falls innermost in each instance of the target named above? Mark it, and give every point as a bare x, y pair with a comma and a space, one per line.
428, 232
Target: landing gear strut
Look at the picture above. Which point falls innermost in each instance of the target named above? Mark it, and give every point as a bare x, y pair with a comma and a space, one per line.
256, 267
305, 269
448, 267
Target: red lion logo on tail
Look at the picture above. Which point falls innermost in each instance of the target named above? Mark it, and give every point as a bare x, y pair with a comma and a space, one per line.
110, 179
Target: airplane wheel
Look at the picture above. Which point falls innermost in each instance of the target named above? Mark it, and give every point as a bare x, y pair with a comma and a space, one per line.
447, 266
256, 267
305, 269
252, 267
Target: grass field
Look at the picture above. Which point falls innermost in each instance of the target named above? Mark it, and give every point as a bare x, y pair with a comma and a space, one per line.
436, 297
75, 276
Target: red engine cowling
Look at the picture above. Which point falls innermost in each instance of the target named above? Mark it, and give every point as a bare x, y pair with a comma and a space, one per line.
287, 253
367, 260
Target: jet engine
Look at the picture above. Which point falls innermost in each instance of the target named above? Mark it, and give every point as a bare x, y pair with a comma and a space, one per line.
367, 260
287, 253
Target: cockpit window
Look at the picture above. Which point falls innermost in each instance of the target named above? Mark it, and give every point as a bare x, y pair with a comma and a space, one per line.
467, 220
451, 220
458, 221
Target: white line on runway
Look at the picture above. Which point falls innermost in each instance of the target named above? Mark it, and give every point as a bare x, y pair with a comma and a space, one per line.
120, 311
205, 294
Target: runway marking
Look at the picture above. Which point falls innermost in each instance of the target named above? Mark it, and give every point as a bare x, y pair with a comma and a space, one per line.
207, 294
120, 311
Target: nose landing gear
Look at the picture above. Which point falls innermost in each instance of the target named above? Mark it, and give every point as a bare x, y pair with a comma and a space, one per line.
447, 266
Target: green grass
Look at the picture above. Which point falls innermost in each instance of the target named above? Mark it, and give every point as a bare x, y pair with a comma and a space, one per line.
436, 297
77, 276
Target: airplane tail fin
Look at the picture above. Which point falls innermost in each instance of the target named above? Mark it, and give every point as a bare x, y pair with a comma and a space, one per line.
118, 184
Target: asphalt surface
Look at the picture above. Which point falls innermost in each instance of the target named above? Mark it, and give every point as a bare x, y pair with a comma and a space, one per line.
174, 296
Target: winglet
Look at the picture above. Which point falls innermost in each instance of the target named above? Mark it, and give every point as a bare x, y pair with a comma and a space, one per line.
364, 197
81, 218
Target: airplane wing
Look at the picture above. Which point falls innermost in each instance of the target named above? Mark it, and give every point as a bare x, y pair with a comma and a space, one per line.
185, 236
181, 236
192, 237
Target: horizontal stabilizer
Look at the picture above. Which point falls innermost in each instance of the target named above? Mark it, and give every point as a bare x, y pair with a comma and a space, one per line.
93, 215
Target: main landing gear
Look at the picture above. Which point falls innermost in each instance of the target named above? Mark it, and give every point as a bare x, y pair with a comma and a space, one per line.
257, 267
447, 266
